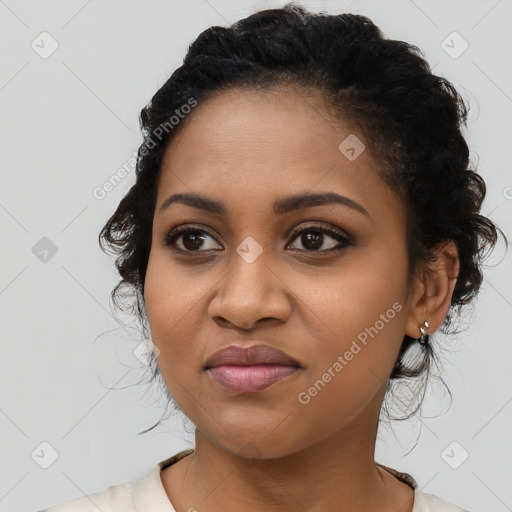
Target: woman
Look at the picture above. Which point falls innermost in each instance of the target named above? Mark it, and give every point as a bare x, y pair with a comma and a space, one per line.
304, 219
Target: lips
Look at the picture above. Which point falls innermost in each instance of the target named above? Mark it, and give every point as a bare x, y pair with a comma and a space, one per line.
260, 354
243, 370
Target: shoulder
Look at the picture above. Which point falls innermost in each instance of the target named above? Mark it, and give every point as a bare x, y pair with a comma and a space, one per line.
145, 493
116, 497
425, 502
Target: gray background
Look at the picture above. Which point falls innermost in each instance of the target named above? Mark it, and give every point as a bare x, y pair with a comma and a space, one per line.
68, 373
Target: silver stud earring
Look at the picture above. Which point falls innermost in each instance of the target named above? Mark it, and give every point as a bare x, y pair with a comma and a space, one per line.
423, 339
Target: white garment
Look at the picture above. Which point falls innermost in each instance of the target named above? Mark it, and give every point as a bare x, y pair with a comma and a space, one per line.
147, 494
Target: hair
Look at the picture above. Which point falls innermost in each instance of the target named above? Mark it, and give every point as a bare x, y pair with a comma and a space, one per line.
411, 119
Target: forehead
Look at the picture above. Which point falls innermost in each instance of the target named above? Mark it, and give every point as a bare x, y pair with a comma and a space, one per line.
261, 143
279, 117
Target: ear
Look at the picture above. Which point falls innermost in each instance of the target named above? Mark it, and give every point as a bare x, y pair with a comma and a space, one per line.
432, 290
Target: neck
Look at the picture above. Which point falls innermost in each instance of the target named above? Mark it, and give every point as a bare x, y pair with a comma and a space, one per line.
330, 475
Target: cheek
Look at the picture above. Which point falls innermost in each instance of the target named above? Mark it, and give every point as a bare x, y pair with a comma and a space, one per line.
175, 299
164, 309
170, 293
355, 353
362, 313
169, 304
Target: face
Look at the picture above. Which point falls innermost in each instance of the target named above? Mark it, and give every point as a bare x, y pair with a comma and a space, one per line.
323, 281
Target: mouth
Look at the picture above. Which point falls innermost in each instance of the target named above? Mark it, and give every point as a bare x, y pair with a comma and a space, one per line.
250, 378
251, 369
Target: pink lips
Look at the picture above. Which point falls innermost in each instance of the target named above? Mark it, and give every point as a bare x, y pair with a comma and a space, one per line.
250, 369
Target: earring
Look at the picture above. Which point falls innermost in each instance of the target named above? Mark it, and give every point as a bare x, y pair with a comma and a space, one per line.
423, 339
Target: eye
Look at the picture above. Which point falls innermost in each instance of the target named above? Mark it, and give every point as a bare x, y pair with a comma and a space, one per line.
313, 238
192, 239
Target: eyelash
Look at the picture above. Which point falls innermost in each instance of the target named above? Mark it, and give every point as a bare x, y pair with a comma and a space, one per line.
338, 235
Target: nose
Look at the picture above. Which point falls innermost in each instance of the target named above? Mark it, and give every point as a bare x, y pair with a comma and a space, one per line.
250, 294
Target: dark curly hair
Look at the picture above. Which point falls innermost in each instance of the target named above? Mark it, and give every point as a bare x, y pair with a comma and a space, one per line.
411, 118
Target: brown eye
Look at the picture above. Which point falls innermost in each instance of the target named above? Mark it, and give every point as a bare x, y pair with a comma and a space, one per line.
316, 238
193, 239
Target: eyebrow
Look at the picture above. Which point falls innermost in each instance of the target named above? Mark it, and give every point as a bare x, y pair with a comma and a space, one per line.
279, 206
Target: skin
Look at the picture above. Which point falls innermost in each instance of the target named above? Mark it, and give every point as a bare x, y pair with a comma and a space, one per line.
267, 450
